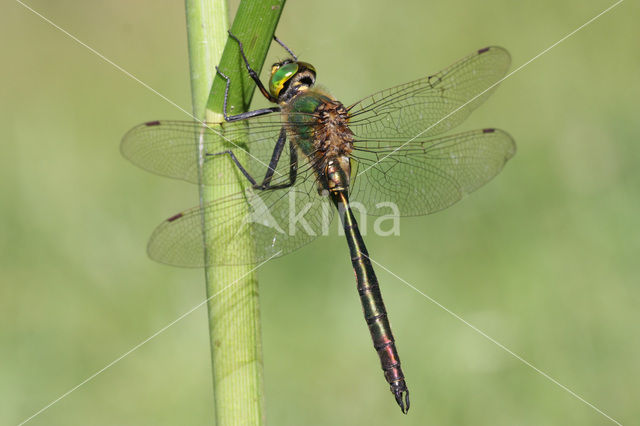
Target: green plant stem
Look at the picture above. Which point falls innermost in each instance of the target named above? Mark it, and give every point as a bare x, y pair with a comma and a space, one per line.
234, 313
207, 25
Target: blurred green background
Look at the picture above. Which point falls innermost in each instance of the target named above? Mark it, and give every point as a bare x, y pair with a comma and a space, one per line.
544, 259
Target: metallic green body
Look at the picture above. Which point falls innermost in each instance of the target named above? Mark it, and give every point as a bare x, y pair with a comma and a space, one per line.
300, 114
318, 125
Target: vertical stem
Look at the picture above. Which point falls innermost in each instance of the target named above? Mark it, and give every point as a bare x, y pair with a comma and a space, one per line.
234, 313
207, 26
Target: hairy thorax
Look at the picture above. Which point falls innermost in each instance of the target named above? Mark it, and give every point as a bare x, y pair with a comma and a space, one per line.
332, 135
319, 127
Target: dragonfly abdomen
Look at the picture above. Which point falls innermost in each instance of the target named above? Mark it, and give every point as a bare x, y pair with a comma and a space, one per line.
377, 320
372, 305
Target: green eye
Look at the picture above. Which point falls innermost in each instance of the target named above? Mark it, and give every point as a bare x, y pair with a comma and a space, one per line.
280, 76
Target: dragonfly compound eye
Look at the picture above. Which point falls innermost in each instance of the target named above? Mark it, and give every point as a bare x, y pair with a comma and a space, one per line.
280, 75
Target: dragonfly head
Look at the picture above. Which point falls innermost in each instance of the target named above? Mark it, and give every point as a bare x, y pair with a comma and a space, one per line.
290, 77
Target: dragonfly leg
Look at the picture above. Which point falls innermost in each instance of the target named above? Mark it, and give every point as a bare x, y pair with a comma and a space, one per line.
254, 75
284, 46
240, 167
273, 163
243, 115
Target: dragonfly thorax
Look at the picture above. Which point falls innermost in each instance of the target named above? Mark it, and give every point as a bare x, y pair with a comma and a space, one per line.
332, 144
332, 135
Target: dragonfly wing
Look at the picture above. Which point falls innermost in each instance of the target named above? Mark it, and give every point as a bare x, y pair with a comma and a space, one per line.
271, 222
173, 148
433, 104
425, 176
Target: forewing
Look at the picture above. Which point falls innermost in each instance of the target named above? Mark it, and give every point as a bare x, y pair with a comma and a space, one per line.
426, 176
173, 148
430, 105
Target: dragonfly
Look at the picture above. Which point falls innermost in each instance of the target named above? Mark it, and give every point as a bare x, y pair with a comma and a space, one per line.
309, 151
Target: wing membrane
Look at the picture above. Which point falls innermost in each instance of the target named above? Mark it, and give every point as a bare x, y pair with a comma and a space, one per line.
425, 107
426, 176
172, 148
273, 222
